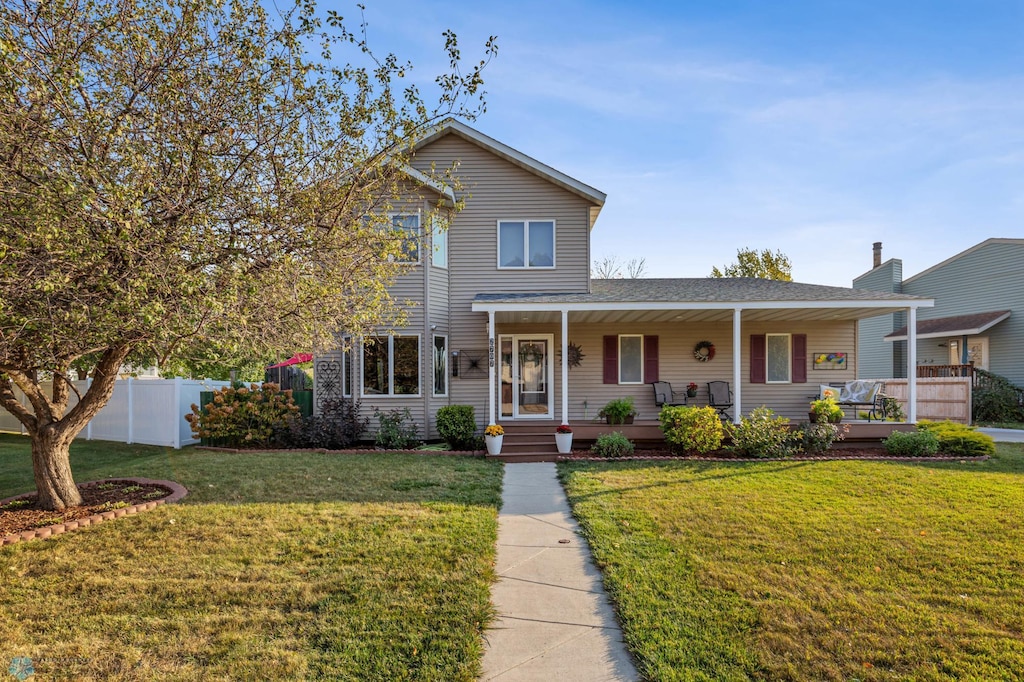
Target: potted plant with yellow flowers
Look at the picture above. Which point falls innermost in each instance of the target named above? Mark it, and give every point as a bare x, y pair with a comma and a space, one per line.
494, 434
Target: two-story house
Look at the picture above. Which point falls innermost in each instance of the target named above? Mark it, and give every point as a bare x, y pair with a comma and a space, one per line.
978, 317
507, 318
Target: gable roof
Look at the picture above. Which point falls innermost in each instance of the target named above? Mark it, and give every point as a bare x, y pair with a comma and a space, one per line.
965, 252
958, 325
453, 127
710, 297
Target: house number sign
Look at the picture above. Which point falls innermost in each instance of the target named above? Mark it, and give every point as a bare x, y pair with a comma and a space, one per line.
490, 352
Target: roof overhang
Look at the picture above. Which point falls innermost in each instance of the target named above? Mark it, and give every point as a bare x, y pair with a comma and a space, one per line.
960, 325
691, 311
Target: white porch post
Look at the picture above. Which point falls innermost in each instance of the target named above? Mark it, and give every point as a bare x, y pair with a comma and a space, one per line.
912, 364
491, 373
737, 380
565, 366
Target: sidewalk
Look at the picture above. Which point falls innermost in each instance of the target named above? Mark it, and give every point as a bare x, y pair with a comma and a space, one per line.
1005, 435
554, 618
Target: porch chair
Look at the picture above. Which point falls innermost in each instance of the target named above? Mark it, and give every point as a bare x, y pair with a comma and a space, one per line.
720, 397
664, 395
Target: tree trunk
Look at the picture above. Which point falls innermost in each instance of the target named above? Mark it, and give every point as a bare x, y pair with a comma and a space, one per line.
52, 466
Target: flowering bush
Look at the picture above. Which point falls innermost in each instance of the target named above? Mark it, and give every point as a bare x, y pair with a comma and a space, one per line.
692, 429
494, 430
244, 416
817, 438
563, 428
763, 434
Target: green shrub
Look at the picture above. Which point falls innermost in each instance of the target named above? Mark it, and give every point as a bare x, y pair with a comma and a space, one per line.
613, 444
691, 429
393, 433
338, 426
243, 417
915, 444
818, 438
763, 434
959, 440
996, 399
456, 424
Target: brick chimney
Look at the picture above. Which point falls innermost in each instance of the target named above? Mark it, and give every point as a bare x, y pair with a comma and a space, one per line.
877, 249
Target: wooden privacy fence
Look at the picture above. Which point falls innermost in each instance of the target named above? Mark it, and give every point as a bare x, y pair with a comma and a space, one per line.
147, 411
938, 398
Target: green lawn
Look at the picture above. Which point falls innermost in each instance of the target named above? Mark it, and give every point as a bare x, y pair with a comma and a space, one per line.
276, 566
812, 570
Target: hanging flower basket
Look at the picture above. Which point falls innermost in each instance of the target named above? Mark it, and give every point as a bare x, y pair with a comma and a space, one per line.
704, 351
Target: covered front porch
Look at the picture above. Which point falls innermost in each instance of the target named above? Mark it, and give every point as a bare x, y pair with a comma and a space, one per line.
625, 334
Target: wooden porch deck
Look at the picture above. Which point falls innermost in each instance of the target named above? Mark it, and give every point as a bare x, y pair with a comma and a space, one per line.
534, 441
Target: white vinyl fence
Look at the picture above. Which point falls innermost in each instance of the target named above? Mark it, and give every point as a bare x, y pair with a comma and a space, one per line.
146, 411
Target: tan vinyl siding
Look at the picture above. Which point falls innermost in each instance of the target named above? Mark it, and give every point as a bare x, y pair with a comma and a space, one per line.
791, 400
495, 190
985, 279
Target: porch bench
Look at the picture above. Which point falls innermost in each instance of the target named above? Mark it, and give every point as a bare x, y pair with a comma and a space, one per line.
869, 395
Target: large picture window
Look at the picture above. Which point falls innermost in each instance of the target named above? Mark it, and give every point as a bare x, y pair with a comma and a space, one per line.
779, 358
526, 243
391, 365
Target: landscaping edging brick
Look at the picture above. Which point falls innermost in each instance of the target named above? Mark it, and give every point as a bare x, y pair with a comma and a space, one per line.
817, 458
178, 492
349, 451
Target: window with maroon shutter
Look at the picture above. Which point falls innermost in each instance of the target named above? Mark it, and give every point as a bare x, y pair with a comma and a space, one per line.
758, 358
799, 358
650, 359
611, 359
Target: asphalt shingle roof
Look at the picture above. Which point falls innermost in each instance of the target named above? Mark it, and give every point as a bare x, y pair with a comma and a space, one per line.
702, 290
957, 323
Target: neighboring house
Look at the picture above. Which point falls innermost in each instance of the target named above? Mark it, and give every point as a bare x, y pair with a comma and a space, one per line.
978, 316
509, 321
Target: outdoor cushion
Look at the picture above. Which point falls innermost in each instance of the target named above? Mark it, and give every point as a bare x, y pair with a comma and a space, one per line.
859, 392
826, 391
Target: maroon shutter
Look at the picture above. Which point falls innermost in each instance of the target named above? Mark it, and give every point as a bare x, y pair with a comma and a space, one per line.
758, 358
799, 358
611, 359
650, 359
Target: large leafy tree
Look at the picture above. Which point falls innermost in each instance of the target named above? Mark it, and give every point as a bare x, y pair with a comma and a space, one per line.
179, 172
761, 264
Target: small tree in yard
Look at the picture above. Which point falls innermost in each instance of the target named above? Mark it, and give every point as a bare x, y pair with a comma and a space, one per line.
180, 172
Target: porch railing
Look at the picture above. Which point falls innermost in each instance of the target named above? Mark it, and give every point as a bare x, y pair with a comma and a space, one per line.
942, 371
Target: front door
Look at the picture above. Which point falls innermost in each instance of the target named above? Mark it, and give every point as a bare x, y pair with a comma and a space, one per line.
526, 371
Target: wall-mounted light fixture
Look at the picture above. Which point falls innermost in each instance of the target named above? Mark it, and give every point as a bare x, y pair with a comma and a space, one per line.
455, 363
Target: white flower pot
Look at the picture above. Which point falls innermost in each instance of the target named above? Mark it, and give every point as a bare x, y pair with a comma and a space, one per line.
493, 444
563, 441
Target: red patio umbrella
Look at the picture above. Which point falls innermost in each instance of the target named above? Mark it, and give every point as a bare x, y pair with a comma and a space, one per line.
293, 360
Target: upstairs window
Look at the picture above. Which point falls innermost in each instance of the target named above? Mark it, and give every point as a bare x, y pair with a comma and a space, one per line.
439, 243
407, 228
526, 243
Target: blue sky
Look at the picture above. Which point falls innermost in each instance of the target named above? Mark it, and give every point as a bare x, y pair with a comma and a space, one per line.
815, 128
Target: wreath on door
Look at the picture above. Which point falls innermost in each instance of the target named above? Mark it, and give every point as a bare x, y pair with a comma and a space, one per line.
704, 351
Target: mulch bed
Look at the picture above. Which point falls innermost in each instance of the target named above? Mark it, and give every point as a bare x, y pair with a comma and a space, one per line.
102, 500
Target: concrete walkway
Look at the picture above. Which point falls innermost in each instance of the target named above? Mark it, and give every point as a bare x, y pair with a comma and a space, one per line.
1005, 435
554, 618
